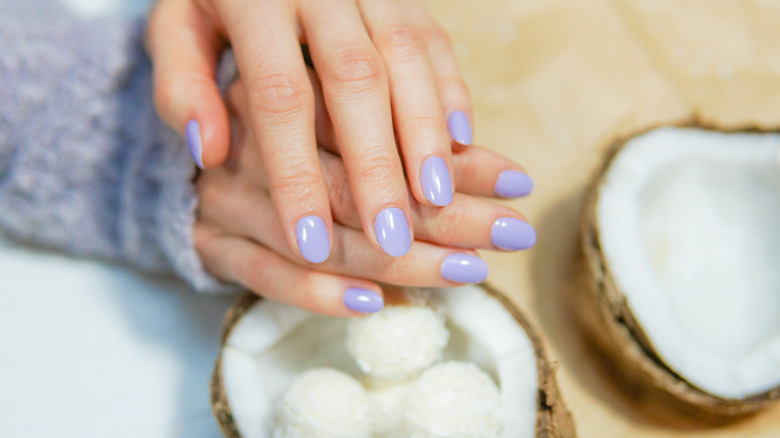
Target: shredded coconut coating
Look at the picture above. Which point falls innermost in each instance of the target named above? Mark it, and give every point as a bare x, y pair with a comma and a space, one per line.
398, 342
388, 404
323, 403
454, 400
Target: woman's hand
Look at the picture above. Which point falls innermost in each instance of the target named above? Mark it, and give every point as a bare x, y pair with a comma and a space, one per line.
240, 238
386, 69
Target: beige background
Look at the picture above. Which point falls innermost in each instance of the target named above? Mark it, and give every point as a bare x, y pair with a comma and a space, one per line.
553, 82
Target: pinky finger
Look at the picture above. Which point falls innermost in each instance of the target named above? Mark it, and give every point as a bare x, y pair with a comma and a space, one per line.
450, 84
271, 276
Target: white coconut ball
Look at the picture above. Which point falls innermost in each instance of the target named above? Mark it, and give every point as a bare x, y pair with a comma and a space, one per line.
397, 342
454, 400
388, 404
323, 403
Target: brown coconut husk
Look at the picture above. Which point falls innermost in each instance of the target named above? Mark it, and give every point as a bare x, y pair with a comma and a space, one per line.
620, 336
553, 420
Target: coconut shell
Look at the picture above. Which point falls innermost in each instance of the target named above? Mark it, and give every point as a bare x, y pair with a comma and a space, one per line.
623, 340
553, 420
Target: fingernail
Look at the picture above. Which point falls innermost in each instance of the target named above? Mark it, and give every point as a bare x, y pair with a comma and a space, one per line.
513, 184
512, 233
363, 300
436, 184
313, 239
464, 268
460, 128
392, 231
192, 132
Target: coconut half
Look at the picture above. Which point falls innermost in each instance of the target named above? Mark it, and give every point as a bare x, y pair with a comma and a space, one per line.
265, 345
681, 235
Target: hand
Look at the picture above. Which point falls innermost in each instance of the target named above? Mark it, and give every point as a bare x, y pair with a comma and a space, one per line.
239, 236
386, 68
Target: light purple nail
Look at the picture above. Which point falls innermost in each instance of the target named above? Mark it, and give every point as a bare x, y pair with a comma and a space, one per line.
513, 184
436, 184
512, 233
313, 240
363, 300
192, 132
392, 231
464, 268
460, 128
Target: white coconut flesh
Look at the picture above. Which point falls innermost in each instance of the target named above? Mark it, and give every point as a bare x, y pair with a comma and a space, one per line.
689, 225
272, 344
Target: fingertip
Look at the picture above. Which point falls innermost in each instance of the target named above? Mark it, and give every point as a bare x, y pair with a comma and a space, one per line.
464, 268
194, 139
460, 128
212, 117
363, 300
511, 234
313, 239
393, 232
216, 144
513, 183
436, 182
208, 143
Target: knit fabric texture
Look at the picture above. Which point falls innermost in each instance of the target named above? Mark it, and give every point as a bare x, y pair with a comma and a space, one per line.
86, 166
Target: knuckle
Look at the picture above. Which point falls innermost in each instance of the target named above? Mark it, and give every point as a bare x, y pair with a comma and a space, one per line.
400, 40
281, 93
295, 183
310, 288
153, 24
447, 227
203, 237
356, 67
453, 84
208, 194
256, 273
156, 23
341, 199
164, 93
380, 169
427, 123
436, 36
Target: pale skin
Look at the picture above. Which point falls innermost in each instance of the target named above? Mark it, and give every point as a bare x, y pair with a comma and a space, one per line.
240, 238
389, 83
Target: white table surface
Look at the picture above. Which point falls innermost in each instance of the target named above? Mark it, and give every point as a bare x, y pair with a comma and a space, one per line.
95, 350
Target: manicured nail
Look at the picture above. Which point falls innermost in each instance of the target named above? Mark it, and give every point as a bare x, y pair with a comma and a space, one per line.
513, 184
313, 239
464, 268
392, 231
460, 128
363, 300
512, 233
192, 132
436, 184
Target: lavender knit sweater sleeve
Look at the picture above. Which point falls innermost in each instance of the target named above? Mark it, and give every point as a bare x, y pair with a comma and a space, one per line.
85, 165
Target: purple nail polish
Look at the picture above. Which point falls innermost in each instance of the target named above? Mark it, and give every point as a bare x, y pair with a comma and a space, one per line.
392, 232
363, 300
460, 128
313, 239
513, 184
436, 184
512, 233
192, 132
464, 268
